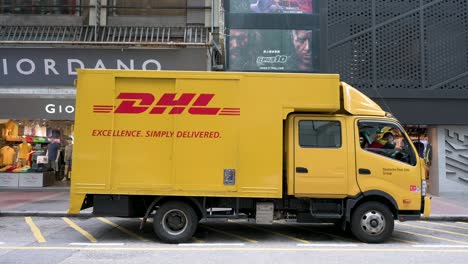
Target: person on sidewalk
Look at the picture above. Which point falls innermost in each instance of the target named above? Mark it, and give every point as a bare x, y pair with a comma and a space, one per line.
68, 158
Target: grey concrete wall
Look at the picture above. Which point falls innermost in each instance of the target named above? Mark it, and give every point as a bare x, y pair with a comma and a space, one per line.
41, 20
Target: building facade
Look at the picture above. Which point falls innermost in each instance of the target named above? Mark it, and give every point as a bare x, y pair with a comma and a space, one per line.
411, 56
44, 42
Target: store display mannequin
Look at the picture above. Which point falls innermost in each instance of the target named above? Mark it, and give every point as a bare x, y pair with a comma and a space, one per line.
23, 153
53, 154
68, 158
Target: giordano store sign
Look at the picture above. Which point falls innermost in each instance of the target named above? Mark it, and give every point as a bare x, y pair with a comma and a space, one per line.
57, 67
28, 108
39, 68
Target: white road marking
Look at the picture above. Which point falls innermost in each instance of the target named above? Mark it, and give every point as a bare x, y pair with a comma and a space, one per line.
2, 243
96, 244
440, 246
326, 245
210, 244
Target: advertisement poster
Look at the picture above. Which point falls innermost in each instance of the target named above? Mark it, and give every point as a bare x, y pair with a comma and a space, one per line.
273, 50
272, 6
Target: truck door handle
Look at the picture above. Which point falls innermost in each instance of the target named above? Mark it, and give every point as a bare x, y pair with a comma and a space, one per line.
301, 170
364, 171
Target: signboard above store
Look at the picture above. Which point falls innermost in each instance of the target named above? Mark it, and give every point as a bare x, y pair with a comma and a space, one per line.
37, 108
57, 66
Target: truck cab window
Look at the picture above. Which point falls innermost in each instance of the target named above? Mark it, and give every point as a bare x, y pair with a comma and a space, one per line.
319, 134
386, 139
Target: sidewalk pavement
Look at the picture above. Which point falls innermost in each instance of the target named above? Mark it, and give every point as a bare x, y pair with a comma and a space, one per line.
54, 201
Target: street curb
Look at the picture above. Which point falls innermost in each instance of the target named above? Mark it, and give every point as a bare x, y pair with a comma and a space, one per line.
449, 218
45, 214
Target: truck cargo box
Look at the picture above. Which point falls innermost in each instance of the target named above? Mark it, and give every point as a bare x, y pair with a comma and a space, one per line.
189, 133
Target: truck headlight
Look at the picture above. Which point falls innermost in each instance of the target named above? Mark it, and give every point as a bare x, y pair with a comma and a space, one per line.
423, 187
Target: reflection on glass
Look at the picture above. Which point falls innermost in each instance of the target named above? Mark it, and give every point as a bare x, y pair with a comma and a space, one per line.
385, 139
272, 6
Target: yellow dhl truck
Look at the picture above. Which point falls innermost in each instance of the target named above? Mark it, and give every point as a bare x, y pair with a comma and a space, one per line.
188, 146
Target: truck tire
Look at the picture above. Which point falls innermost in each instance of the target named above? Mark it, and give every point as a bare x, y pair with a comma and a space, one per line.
372, 222
175, 222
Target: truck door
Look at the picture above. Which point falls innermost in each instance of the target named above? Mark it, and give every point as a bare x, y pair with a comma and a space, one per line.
320, 156
386, 161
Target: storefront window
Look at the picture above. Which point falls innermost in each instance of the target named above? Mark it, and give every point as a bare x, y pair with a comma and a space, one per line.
42, 7
148, 8
35, 153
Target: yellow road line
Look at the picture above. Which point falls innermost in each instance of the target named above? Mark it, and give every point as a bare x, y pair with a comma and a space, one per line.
230, 234
435, 229
123, 229
439, 224
279, 234
339, 238
433, 237
80, 230
196, 240
404, 240
241, 249
35, 230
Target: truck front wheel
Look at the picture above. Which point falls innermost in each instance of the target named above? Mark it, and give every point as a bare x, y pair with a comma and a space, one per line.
175, 222
372, 222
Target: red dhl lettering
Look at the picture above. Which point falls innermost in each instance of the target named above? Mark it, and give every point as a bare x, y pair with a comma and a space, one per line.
168, 103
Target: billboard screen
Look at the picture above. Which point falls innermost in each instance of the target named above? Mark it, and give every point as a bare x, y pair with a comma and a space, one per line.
272, 6
273, 50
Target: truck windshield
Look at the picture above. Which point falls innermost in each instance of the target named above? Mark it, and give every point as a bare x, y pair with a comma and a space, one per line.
386, 139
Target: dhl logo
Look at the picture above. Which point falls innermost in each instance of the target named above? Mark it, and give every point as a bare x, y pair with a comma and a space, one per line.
138, 103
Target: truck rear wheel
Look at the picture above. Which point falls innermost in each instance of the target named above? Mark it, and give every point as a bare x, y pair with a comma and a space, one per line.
372, 222
175, 222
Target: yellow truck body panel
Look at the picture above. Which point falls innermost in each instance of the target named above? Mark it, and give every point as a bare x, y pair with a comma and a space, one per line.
175, 133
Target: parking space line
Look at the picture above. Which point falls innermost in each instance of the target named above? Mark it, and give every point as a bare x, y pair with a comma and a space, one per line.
433, 237
196, 240
80, 230
210, 244
404, 240
35, 230
452, 226
96, 244
230, 234
435, 229
239, 249
441, 246
279, 234
123, 229
327, 245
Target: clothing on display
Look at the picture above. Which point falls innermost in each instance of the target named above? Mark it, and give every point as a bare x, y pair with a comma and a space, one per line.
7, 156
23, 150
11, 129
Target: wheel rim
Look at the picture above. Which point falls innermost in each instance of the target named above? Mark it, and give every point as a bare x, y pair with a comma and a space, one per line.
373, 223
174, 222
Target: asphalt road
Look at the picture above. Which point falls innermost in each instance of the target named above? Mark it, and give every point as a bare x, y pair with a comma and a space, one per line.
116, 240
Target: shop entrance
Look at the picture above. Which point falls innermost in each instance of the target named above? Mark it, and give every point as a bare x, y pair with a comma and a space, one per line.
35, 153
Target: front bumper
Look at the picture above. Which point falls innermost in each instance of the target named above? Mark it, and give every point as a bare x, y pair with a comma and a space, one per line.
426, 207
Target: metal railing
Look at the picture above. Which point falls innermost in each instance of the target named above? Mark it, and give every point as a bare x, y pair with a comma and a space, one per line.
106, 35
